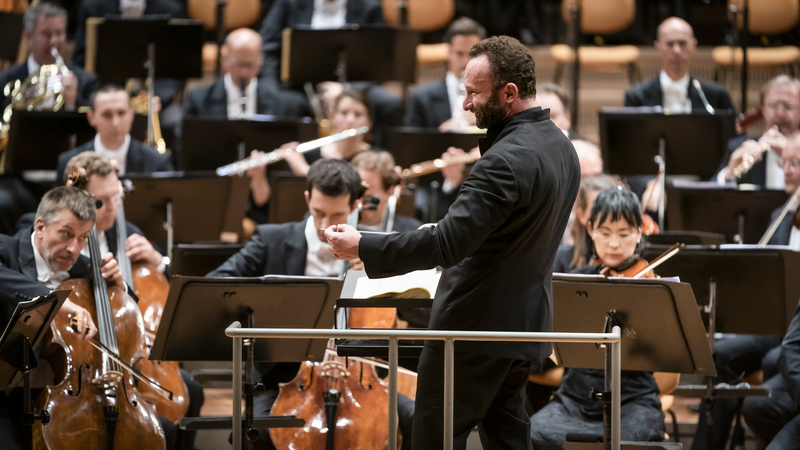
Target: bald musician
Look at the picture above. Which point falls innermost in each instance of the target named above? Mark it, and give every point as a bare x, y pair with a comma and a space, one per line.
780, 105
673, 88
240, 93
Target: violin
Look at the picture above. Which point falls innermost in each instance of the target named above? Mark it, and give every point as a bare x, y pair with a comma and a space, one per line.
97, 404
152, 288
637, 267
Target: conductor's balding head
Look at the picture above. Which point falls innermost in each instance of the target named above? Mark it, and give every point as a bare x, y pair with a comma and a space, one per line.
676, 44
242, 55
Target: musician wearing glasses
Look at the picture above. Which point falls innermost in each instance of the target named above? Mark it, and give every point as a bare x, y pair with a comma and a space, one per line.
111, 115
240, 94
674, 88
758, 159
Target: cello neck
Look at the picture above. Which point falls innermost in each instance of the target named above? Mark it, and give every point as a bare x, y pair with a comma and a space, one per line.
122, 255
105, 319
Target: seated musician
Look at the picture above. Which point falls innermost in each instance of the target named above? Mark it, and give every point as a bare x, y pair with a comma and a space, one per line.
34, 262
674, 88
330, 15
111, 115
46, 29
744, 354
788, 438
555, 98
300, 248
438, 104
240, 93
780, 105
377, 169
615, 227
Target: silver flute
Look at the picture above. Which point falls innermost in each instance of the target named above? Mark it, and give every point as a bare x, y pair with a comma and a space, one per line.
244, 165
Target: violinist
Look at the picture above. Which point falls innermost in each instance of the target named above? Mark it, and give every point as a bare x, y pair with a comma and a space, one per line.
742, 354
35, 261
615, 228
300, 248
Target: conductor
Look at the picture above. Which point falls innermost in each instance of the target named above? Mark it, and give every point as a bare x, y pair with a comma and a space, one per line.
497, 244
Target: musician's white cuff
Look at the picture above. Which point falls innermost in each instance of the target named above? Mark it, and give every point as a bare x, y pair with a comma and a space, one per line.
722, 178
448, 186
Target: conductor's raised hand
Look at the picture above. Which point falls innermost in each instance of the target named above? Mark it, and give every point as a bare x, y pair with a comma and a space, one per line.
343, 240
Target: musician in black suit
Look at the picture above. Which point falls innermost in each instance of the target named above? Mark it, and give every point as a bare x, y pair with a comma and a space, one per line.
674, 87
111, 115
438, 104
299, 248
240, 94
497, 244
780, 105
789, 363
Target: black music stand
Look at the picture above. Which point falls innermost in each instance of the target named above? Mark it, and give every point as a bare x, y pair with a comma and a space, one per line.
165, 206
691, 144
36, 138
29, 323
741, 213
10, 36
376, 53
192, 333
176, 51
287, 203
685, 237
208, 143
196, 260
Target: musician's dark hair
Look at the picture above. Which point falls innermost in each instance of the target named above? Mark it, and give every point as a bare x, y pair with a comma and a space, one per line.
357, 95
105, 89
558, 91
511, 62
582, 245
334, 178
616, 204
379, 162
45, 9
65, 197
464, 26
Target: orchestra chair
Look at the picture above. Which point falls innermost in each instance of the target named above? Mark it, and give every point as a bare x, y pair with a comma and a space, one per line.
426, 16
599, 17
765, 18
238, 14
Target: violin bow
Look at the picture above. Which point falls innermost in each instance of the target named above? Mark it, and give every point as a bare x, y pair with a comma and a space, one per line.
662, 258
791, 203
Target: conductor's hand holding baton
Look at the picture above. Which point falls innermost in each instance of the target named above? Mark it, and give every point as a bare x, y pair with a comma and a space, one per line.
343, 240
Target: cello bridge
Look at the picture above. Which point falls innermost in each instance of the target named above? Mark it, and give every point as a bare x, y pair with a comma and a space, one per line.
108, 380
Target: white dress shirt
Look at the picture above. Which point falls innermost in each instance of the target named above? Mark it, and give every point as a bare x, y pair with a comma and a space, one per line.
235, 98
794, 238
119, 154
51, 278
675, 94
774, 174
319, 258
132, 8
329, 14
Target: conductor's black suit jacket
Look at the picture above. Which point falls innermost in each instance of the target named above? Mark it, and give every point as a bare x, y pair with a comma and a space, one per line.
498, 240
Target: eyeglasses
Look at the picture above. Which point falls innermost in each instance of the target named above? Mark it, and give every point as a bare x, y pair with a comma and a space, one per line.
621, 237
791, 165
100, 202
786, 106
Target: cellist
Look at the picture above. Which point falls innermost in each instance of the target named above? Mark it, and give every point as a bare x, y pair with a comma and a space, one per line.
614, 225
36, 260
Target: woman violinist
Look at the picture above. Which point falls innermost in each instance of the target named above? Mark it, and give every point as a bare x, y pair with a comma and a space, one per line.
614, 226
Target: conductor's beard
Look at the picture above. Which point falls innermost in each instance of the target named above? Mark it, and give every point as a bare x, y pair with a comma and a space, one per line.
490, 113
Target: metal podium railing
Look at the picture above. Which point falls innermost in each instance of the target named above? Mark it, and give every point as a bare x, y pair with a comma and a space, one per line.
613, 360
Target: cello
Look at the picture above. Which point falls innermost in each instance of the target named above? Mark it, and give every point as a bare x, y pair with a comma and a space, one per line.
96, 405
152, 288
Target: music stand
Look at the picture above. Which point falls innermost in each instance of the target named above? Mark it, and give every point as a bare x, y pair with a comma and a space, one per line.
745, 214
691, 144
375, 53
165, 205
685, 237
208, 143
196, 260
287, 203
36, 138
29, 323
10, 35
163, 48
191, 333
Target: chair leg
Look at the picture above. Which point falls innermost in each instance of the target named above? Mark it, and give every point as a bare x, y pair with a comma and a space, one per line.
737, 441
559, 72
676, 437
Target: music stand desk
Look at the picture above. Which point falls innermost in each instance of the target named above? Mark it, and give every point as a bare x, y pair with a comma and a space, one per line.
196, 260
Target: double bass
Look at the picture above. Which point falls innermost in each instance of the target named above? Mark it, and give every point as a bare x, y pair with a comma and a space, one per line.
97, 405
152, 288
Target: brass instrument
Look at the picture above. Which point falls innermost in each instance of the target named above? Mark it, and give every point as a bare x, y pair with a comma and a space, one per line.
749, 160
143, 104
435, 165
41, 91
243, 166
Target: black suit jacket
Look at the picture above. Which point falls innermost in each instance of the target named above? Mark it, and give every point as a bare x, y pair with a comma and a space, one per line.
212, 100
103, 8
87, 83
274, 249
140, 159
648, 93
789, 360
784, 230
288, 13
18, 277
498, 240
757, 174
430, 105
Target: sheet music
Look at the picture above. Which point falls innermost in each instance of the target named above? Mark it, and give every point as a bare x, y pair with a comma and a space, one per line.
426, 279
